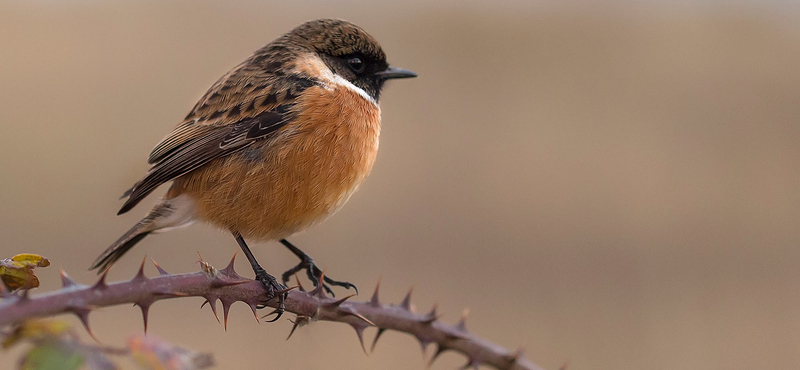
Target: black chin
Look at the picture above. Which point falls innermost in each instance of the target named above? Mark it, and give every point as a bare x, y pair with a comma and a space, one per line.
372, 86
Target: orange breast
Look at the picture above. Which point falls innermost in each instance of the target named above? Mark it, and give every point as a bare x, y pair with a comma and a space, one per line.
306, 172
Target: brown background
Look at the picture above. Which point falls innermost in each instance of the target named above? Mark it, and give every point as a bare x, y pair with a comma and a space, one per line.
612, 186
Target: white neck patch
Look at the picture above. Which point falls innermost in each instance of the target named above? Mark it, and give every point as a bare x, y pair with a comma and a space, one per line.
314, 66
341, 81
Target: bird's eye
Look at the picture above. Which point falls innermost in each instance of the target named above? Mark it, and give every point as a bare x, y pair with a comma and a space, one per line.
356, 64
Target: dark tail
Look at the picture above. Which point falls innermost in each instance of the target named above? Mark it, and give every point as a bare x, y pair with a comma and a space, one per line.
170, 213
122, 245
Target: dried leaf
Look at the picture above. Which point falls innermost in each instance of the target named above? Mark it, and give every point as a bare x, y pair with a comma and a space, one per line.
51, 355
152, 353
34, 260
17, 272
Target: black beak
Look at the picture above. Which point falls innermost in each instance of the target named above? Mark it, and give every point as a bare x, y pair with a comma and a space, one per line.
394, 72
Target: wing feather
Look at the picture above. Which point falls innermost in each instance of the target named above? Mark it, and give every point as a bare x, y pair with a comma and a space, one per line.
249, 103
245, 92
216, 143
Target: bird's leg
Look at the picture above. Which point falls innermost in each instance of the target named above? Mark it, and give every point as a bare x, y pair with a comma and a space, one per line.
271, 284
313, 272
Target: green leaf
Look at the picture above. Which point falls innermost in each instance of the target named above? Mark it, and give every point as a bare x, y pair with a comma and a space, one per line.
51, 355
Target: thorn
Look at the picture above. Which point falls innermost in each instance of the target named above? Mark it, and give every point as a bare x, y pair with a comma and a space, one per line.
253, 307
338, 302
145, 307
439, 350
375, 341
407, 300
351, 312
515, 356
160, 270
424, 346
101, 283
231, 263
431, 316
140, 275
319, 291
462, 324
294, 327
66, 281
83, 315
212, 302
229, 270
226, 306
375, 302
300, 320
299, 286
360, 332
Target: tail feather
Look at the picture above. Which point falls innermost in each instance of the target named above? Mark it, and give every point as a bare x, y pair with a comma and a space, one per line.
116, 250
167, 215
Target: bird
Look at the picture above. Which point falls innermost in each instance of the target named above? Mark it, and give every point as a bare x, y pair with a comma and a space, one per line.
277, 144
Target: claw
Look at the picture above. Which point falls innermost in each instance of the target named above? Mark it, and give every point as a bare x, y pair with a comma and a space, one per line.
279, 311
342, 284
312, 271
273, 289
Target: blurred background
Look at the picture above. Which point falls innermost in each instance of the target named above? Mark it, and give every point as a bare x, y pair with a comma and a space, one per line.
614, 186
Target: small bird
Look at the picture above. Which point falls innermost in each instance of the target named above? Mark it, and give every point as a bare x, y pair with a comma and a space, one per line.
277, 144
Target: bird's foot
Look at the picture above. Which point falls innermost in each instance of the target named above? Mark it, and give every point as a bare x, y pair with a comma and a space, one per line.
274, 289
314, 274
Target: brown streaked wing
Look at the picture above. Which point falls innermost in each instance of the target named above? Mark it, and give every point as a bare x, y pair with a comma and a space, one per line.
248, 103
244, 92
181, 134
217, 142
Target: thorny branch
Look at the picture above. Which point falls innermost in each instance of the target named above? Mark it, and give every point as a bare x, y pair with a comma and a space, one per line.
227, 287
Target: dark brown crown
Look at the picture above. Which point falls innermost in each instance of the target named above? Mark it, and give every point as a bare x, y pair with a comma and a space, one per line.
339, 44
336, 38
